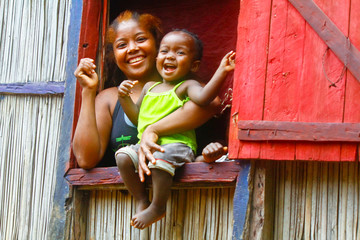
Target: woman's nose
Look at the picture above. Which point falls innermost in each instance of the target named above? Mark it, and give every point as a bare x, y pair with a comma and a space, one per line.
132, 47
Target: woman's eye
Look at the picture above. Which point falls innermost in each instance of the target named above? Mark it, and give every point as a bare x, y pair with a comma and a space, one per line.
141, 39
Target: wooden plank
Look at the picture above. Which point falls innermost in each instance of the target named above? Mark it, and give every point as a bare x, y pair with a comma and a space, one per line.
250, 72
225, 172
61, 190
252, 130
283, 70
241, 200
318, 101
330, 34
87, 47
352, 93
38, 88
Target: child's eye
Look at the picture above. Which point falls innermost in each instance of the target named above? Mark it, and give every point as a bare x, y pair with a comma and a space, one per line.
121, 45
180, 52
163, 51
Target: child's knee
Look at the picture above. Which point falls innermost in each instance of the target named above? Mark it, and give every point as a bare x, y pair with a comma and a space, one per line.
123, 161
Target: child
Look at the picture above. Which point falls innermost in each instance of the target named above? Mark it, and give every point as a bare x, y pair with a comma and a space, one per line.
179, 55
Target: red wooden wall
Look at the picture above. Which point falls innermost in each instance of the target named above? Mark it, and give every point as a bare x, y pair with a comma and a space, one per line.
279, 77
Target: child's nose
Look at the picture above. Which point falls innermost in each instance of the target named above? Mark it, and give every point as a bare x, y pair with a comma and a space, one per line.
170, 56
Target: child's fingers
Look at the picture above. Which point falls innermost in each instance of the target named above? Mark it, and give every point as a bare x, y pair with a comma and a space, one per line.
125, 87
129, 84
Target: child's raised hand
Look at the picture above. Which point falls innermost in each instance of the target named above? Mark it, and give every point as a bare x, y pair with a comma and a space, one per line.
228, 61
86, 75
125, 87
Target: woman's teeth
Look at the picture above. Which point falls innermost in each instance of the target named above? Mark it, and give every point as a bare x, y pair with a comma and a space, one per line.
137, 59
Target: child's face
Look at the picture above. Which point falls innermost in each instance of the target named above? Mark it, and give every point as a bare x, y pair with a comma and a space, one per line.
175, 59
135, 50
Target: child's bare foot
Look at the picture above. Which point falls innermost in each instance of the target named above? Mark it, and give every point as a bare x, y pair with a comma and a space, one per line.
147, 217
142, 205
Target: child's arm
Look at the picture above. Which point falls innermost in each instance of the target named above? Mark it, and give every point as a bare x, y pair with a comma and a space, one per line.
204, 95
130, 108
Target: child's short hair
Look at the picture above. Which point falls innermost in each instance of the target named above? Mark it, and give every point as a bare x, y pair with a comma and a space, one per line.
198, 42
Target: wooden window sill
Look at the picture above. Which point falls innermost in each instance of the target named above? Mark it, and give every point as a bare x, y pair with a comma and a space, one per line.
191, 175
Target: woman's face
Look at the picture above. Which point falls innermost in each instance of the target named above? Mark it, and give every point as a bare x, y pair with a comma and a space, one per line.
135, 50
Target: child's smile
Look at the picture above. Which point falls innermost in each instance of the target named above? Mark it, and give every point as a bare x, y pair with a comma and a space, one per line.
176, 56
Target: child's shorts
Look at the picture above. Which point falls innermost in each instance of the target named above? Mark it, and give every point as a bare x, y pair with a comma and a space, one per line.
175, 155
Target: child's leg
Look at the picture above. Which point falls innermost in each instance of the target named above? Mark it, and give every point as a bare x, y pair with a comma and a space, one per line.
132, 181
162, 182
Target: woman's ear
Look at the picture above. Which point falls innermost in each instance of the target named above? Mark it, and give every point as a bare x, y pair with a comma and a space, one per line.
195, 66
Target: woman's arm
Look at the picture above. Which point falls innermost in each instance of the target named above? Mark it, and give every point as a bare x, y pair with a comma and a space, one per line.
191, 115
93, 129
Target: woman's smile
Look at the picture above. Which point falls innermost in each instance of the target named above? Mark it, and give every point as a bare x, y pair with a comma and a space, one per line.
134, 60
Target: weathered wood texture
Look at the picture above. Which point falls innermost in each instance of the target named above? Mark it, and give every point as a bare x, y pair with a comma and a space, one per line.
88, 47
280, 76
298, 131
316, 200
190, 214
330, 34
33, 43
225, 172
33, 48
37, 88
29, 132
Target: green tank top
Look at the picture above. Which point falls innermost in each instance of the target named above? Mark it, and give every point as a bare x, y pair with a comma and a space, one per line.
156, 106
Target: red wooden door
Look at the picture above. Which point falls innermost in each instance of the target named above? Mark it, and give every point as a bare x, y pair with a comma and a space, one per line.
280, 76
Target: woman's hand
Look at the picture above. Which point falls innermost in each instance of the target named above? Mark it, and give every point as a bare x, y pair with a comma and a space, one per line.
147, 147
212, 152
86, 75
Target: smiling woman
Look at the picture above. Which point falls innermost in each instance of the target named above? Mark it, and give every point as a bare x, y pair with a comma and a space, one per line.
133, 38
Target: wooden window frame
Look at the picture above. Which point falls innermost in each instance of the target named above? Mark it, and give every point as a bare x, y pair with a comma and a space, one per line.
198, 173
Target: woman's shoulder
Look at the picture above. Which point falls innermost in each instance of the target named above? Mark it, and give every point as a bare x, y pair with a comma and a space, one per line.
108, 97
108, 94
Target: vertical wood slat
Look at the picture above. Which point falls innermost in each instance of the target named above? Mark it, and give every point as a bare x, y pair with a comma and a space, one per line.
331, 195
250, 73
29, 46
352, 85
27, 168
181, 212
33, 39
87, 48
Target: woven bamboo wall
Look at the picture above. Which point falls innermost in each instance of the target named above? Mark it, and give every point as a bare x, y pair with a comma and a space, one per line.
191, 214
33, 39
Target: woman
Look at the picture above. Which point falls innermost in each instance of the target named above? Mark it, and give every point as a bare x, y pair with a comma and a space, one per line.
135, 39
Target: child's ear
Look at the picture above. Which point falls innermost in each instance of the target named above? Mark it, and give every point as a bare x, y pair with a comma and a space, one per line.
195, 66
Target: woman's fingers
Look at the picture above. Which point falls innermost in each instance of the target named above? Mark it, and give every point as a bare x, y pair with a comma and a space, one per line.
213, 151
86, 66
85, 73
